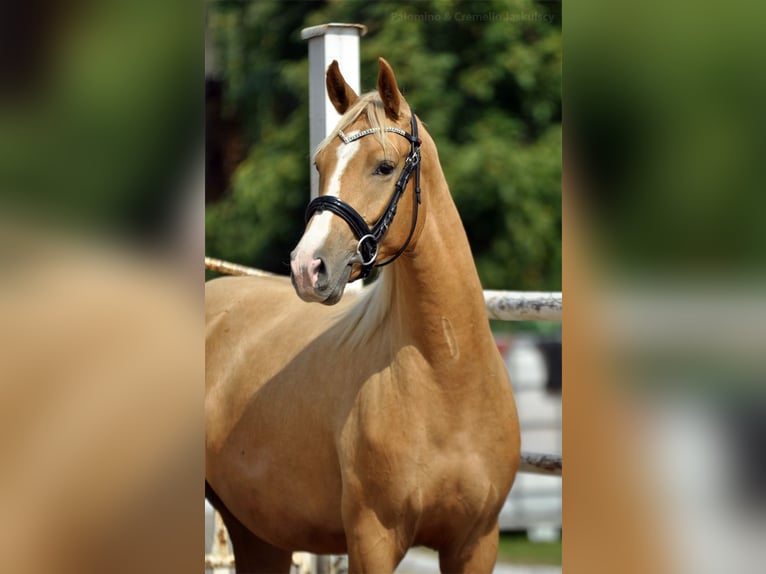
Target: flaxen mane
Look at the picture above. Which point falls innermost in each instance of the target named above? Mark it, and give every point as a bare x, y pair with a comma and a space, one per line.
361, 321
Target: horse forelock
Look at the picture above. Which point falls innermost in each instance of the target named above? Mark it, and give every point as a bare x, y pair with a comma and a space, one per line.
369, 103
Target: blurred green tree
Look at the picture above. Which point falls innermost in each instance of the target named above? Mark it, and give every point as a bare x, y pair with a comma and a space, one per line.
101, 141
485, 77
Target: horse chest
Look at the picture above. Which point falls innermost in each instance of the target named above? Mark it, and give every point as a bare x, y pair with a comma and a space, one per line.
424, 441
434, 479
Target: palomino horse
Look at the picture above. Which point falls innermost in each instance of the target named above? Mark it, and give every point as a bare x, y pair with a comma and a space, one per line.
380, 421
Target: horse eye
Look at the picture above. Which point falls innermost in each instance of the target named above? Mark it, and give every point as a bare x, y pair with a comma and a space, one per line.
385, 168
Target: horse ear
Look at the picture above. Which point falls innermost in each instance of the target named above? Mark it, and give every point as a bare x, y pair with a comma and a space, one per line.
341, 94
388, 90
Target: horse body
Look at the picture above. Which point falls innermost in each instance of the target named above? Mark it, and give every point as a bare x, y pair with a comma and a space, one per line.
378, 423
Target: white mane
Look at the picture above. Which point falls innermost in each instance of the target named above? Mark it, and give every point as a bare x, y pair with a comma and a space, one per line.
363, 319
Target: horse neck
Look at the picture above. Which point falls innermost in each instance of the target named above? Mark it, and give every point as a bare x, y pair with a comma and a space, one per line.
437, 298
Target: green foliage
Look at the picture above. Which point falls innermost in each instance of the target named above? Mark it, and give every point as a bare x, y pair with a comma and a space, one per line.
101, 146
485, 77
516, 548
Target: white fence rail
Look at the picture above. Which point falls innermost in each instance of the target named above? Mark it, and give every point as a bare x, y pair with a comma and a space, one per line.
540, 463
523, 305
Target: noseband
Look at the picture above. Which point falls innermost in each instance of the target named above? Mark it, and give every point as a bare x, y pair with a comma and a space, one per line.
370, 237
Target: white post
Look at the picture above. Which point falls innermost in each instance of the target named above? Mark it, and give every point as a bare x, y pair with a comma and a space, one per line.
329, 42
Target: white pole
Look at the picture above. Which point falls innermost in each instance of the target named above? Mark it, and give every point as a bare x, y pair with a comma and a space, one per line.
329, 42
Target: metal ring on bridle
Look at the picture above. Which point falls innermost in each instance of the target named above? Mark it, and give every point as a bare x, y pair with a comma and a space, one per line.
374, 255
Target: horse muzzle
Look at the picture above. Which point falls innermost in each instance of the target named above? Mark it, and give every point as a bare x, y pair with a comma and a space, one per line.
317, 281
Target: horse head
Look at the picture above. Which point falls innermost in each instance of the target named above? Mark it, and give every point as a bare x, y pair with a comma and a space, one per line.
369, 162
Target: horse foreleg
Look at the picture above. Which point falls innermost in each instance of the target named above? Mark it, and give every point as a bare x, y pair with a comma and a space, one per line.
477, 556
372, 548
255, 556
251, 554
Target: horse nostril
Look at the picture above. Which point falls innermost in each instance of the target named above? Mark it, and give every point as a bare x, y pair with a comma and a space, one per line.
317, 271
321, 274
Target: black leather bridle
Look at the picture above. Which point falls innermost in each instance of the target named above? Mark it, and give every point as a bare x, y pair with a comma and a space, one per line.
370, 237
